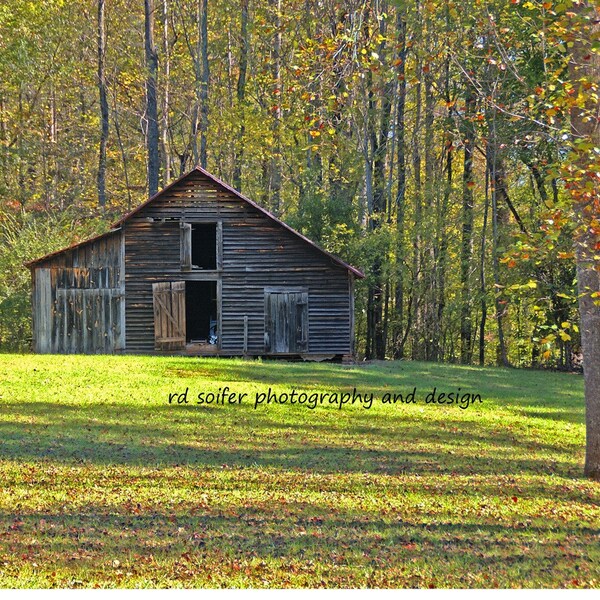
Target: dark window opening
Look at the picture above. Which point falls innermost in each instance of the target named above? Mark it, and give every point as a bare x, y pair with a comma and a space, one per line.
204, 246
201, 312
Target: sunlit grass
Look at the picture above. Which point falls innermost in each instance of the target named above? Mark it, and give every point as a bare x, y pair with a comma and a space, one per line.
103, 483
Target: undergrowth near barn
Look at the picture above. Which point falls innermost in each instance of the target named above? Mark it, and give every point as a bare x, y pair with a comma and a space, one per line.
106, 484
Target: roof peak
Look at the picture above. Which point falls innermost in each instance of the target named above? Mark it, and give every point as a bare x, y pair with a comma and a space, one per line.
232, 190
215, 180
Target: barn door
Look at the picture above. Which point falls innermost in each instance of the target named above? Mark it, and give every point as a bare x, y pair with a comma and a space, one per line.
169, 315
286, 322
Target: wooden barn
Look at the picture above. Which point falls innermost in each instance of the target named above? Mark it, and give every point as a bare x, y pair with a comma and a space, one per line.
198, 269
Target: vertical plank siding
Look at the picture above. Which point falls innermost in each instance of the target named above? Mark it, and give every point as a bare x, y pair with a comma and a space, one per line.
79, 300
169, 315
286, 322
42, 315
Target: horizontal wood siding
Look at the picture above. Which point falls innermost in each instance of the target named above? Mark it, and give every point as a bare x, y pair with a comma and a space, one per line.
257, 253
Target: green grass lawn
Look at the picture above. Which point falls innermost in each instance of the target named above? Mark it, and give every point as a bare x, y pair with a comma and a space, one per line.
103, 483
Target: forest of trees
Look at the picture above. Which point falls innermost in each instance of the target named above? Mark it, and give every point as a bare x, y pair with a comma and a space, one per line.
423, 141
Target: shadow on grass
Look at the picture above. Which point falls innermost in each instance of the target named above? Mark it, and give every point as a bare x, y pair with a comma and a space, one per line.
294, 532
239, 437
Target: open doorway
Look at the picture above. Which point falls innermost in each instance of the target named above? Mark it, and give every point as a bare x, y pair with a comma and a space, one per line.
201, 312
204, 246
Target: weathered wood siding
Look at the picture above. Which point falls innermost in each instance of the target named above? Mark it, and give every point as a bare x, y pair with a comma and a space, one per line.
256, 253
79, 300
169, 315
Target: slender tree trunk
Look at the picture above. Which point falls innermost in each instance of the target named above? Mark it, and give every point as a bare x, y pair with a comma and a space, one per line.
492, 162
276, 110
539, 182
241, 96
203, 36
379, 199
195, 56
401, 176
429, 291
554, 184
501, 188
3, 140
310, 181
165, 150
417, 261
102, 88
230, 67
199, 57
482, 281
82, 145
115, 114
441, 258
341, 190
54, 155
429, 149
584, 70
375, 160
151, 102
374, 290
466, 247
265, 179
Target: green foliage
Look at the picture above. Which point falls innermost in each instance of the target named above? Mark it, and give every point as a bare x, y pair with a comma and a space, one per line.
23, 237
317, 135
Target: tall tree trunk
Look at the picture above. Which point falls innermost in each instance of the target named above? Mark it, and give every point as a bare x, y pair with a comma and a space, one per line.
165, 150
54, 155
199, 57
499, 184
102, 88
482, 280
417, 259
4, 154
499, 305
277, 111
401, 176
115, 114
151, 103
375, 161
441, 258
203, 36
374, 290
83, 141
23, 192
341, 189
466, 247
540, 184
241, 96
429, 291
584, 71
379, 197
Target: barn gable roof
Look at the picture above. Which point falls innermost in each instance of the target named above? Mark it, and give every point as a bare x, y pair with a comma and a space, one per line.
224, 186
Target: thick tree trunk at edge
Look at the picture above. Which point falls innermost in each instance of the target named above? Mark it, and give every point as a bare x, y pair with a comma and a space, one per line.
585, 65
